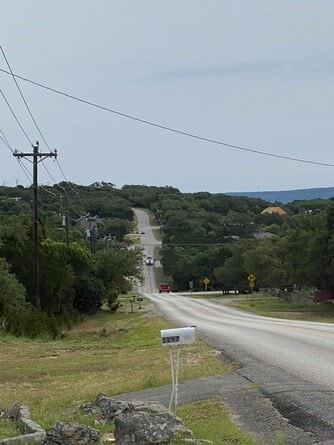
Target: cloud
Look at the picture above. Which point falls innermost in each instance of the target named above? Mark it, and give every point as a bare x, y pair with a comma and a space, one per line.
309, 65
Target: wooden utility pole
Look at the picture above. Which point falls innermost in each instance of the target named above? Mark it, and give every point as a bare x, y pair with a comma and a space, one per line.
65, 220
65, 216
37, 157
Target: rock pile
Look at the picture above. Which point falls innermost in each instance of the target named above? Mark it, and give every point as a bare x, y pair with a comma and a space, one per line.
71, 434
136, 423
139, 423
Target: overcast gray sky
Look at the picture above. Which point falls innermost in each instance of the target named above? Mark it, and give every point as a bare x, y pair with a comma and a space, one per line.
256, 74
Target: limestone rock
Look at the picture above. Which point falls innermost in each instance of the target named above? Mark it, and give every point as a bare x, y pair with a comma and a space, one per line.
106, 407
142, 428
71, 434
138, 422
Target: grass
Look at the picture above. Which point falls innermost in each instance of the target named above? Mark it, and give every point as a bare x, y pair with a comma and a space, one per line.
210, 295
110, 353
212, 420
116, 353
271, 306
151, 217
8, 429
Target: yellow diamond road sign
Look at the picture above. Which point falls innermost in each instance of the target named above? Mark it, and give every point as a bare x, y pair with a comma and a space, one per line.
251, 277
206, 281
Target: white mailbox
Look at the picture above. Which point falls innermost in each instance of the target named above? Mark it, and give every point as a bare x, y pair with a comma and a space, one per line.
178, 336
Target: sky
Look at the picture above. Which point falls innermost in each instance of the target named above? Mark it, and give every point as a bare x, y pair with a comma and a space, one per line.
253, 74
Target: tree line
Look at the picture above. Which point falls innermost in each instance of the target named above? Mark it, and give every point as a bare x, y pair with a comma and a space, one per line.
225, 239
74, 279
215, 236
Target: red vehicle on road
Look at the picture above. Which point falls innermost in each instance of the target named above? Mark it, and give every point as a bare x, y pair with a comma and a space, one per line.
164, 288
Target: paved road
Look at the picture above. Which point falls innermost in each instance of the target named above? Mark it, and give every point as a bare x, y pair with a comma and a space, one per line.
290, 363
149, 243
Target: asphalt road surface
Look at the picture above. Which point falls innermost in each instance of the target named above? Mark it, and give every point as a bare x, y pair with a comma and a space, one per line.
286, 377
149, 243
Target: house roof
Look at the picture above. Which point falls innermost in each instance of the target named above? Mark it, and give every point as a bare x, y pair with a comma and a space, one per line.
99, 185
274, 209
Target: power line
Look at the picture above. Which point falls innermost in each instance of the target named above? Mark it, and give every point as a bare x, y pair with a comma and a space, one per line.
25, 102
73, 190
53, 179
170, 129
31, 115
5, 141
36, 125
47, 191
66, 180
8, 145
25, 170
23, 167
15, 117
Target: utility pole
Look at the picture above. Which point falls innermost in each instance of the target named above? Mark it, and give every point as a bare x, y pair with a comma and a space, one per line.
65, 216
91, 233
37, 157
65, 220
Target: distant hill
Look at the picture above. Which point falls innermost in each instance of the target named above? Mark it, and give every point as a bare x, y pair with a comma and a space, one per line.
285, 196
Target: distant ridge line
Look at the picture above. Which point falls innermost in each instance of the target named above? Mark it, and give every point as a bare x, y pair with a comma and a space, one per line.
286, 196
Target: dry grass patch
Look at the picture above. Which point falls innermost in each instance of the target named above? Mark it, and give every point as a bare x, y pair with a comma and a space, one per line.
111, 353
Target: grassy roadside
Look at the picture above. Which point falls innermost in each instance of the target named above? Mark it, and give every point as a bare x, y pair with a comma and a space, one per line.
271, 306
267, 305
111, 353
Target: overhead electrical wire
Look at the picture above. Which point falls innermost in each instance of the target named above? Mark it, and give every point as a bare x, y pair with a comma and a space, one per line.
170, 129
73, 190
24, 101
18, 205
42, 136
25, 170
38, 129
15, 117
8, 145
80, 218
28, 109
5, 141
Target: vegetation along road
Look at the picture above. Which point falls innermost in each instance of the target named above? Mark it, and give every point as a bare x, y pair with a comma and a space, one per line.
290, 362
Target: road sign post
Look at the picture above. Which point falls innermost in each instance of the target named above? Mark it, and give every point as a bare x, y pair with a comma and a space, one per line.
206, 281
251, 281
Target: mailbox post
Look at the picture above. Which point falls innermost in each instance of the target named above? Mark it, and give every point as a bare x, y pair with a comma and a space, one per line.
132, 300
174, 338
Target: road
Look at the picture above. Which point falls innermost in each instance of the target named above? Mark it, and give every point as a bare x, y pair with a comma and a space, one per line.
149, 243
290, 362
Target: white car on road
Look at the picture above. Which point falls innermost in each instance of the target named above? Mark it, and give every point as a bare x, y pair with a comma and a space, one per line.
149, 261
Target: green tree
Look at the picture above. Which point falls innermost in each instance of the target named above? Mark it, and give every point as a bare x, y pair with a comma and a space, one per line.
14, 310
56, 277
232, 274
268, 268
88, 289
16, 248
117, 227
118, 269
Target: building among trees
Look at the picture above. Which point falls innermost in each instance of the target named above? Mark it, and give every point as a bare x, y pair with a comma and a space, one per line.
274, 209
